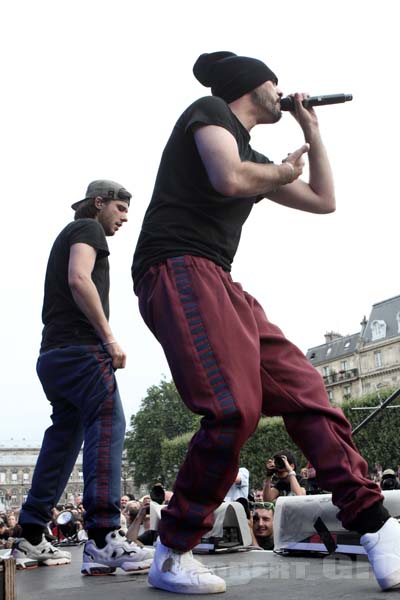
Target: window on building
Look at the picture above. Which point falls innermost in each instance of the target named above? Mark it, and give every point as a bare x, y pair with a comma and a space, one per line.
343, 365
329, 350
346, 392
378, 359
80, 476
326, 371
330, 395
26, 477
14, 476
378, 329
347, 344
2, 477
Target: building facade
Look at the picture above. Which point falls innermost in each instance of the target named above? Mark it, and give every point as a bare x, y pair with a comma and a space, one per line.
17, 463
364, 362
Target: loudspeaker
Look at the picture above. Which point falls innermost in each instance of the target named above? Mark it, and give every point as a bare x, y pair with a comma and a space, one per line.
309, 524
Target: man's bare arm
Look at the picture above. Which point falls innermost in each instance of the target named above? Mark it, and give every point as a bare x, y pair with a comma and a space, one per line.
84, 292
231, 176
318, 195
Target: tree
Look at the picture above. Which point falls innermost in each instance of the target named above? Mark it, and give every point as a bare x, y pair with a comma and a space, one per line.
162, 415
378, 442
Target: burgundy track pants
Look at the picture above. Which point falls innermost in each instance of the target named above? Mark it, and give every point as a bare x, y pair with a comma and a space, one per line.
230, 364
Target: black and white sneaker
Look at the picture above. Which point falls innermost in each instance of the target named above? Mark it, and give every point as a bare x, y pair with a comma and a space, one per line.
119, 552
28, 556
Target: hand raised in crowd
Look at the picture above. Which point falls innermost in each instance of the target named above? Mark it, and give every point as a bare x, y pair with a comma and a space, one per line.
270, 467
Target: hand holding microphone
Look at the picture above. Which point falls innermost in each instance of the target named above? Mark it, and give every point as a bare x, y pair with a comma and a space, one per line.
288, 102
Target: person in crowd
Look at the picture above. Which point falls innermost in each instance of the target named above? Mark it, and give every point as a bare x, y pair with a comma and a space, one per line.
263, 524
308, 480
139, 531
240, 487
168, 496
4, 535
389, 480
281, 478
78, 357
14, 528
258, 496
229, 363
123, 502
128, 516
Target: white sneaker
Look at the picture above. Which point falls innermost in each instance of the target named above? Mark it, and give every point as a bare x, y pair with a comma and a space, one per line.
118, 552
383, 549
26, 554
180, 572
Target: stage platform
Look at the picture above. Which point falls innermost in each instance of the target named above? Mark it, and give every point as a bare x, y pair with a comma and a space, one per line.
254, 575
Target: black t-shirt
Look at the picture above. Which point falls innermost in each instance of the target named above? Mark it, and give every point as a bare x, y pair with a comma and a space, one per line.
186, 214
283, 485
64, 322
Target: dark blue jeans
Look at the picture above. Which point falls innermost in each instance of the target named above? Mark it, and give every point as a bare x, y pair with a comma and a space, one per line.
80, 384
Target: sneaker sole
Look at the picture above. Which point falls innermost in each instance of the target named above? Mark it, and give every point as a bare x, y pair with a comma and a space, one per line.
142, 568
216, 588
391, 581
54, 562
27, 563
96, 569
100, 569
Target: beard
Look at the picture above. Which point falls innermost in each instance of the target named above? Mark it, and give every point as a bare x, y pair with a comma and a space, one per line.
269, 110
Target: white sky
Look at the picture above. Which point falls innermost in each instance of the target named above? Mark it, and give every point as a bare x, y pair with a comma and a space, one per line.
92, 88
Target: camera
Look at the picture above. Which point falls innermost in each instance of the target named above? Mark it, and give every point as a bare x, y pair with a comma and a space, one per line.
279, 463
389, 482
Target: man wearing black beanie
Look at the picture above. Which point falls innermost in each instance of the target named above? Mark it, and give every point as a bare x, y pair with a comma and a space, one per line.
229, 362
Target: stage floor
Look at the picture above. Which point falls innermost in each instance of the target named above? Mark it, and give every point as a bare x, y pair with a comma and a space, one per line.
249, 575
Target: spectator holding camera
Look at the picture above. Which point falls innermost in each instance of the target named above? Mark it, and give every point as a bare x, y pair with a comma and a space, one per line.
389, 480
281, 478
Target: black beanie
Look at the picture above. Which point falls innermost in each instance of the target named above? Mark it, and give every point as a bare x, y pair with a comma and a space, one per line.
231, 76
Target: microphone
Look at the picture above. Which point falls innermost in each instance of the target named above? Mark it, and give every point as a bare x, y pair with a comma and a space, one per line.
288, 102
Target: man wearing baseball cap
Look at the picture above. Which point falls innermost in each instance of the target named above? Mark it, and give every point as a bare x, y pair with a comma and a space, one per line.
229, 362
78, 356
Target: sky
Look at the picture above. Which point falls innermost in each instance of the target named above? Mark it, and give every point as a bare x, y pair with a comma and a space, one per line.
91, 90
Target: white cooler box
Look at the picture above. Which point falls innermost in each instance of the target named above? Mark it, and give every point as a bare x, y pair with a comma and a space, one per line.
295, 517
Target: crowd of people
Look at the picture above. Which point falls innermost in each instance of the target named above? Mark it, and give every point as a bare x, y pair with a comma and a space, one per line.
281, 479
